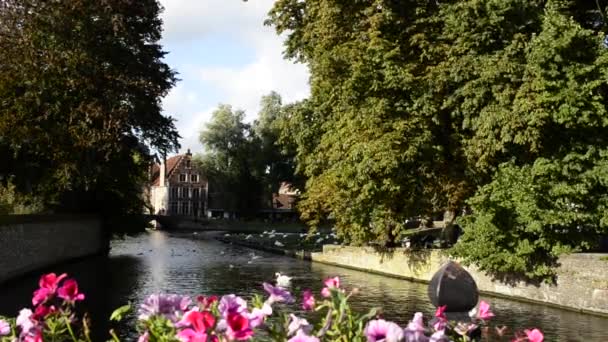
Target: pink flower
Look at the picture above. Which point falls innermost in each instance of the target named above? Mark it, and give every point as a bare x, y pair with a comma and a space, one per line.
24, 321
439, 336
534, 335
41, 295
200, 323
231, 304
5, 328
43, 311
238, 327
302, 337
51, 281
37, 337
206, 302
484, 311
440, 313
330, 283
278, 294
308, 300
414, 332
381, 330
145, 337
297, 324
69, 291
258, 315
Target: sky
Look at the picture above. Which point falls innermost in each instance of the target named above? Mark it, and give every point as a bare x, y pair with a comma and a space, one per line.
224, 54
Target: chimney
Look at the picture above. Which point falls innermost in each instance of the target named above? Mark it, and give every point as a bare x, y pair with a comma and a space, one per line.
188, 153
163, 172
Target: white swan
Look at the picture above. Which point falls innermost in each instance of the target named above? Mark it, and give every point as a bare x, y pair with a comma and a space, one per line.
283, 280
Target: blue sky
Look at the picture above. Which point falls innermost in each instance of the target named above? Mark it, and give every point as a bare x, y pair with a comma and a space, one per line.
224, 54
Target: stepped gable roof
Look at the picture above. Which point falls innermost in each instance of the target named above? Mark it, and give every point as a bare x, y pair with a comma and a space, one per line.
171, 165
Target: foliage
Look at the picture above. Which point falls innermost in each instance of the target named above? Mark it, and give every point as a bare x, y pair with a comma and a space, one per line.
81, 84
175, 318
247, 162
277, 161
14, 203
417, 106
230, 160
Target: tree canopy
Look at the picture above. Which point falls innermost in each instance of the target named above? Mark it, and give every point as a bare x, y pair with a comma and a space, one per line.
496, 107
81, 84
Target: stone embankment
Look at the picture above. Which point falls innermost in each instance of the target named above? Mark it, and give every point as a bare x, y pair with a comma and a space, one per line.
32, 242
581, 285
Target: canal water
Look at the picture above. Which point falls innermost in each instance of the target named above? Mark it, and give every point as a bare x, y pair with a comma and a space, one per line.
197, 264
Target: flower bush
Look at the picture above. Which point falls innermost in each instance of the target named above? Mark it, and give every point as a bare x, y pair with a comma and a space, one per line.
175, 318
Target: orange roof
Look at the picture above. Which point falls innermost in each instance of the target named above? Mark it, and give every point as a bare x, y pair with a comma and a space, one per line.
171, 164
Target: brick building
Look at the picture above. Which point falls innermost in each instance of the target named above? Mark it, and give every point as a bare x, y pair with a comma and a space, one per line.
178, 187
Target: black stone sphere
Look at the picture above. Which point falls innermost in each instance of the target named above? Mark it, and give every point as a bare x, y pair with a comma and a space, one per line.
453, 286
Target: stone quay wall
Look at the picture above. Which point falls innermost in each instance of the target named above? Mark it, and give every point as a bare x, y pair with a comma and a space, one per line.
34, 242
582, 279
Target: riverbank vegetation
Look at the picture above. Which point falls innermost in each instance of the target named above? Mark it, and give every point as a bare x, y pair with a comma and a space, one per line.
81, 85
496, 109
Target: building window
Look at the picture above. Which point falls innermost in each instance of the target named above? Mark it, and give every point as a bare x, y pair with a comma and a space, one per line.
183, 177
173, 208
174, 193
188, 163
194, 178
182, 208
195, 193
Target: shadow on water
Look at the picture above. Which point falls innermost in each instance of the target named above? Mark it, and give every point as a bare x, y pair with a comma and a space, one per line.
194, 264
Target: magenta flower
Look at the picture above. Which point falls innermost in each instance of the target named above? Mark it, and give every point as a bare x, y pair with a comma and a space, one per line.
277, 294
302, 337
414, 332
51, 281
69, 291
5, 328
238, 327
258, 315
297, 324
199, 323
440, 313
308, 300
484, 311
534, 335
330, 283
380, 330
231, 304
41, 295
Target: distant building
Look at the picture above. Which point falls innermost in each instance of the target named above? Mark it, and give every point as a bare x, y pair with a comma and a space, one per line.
178, 187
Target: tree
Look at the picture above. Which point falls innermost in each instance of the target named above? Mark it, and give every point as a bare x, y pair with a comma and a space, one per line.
422, 106
277, 160
231, 160
81, 84
372, 159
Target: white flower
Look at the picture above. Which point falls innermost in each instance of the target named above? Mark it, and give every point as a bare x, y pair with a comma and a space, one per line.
278, 244
24, 320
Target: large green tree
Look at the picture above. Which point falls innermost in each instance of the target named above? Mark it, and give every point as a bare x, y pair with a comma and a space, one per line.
277, 160
417, 106
81, 84
231, 160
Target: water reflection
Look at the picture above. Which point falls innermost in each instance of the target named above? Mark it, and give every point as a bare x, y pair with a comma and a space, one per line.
153, 263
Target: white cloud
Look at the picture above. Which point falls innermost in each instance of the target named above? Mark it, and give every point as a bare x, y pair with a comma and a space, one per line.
239, 85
